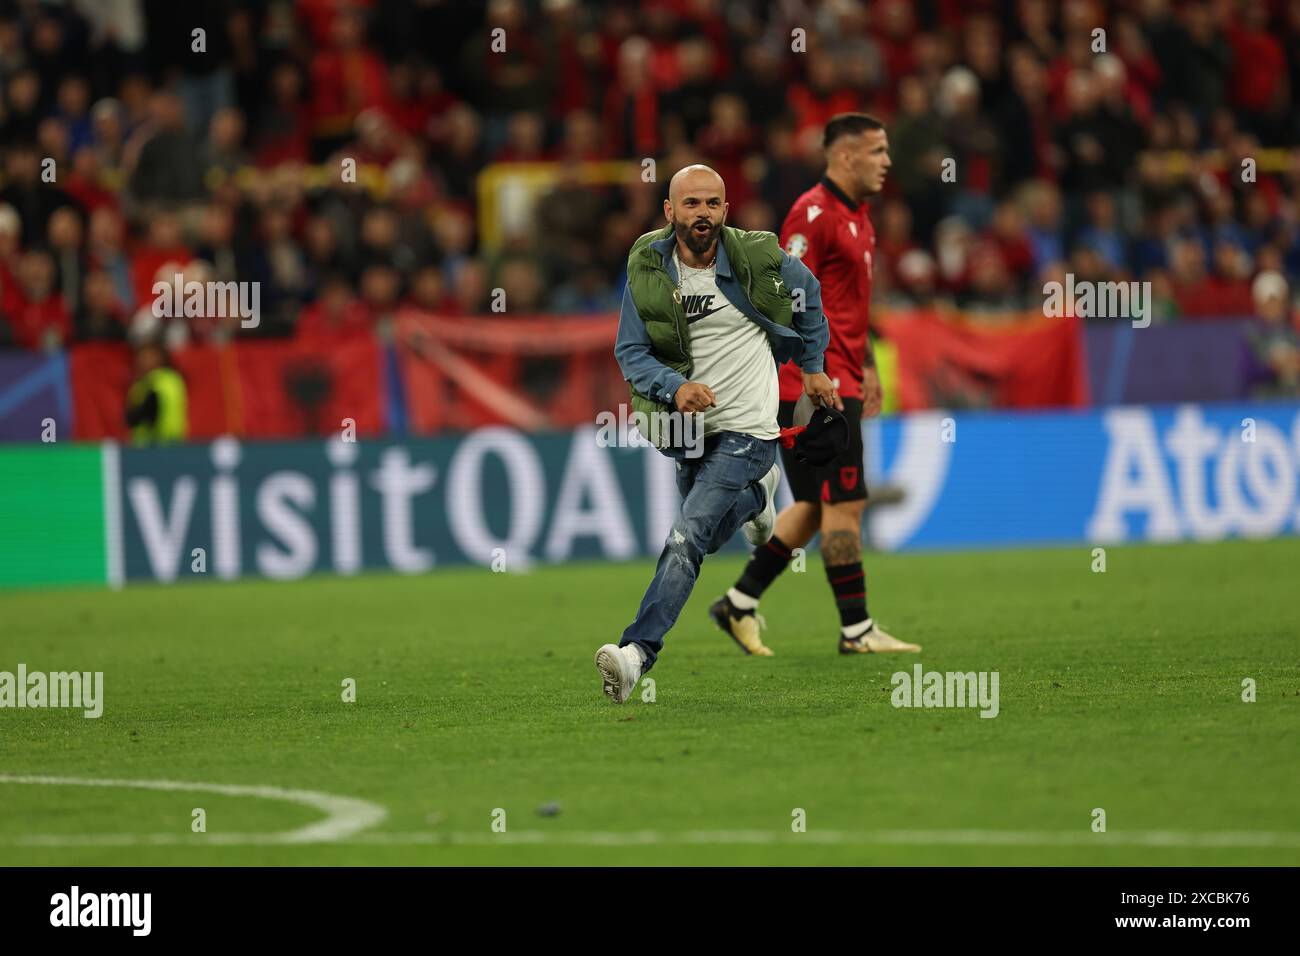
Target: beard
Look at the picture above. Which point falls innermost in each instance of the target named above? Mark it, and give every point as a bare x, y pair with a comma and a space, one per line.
698, 244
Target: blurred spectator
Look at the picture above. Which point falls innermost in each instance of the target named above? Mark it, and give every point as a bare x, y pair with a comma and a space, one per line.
225, 150
134, 94
893, 238
42, 320
728, 140
765, 86
453, 234
1101, 235
335, 313
428, 290
100, 315
953, 240
22, 107
757, 215
970, 143
992, 287
1209, 61
108, 136
161, 249
281, 266
1043, 210
216, 243
347, 77
784, 176
1024, 124
24, 191
686, 106
1009, 234
74, 111
1203, 292
587, 293
156, 403
417, 99
85, 182
324, 257
13, 56
915, 283
523, 285
169, 161
1276, 340
105, 252
381, 294
582, 140
525, 140
469, 289
917, 149
65, 239
11, 297
191, 43
283, 133
513, 76
632, 108
464, 153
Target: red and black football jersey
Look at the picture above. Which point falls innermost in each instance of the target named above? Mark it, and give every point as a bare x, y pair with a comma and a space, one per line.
836, 241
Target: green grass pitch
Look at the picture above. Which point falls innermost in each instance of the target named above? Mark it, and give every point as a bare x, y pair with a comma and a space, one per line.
476, 691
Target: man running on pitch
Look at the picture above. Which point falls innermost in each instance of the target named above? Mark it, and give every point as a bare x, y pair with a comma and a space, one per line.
829, 231
708, 314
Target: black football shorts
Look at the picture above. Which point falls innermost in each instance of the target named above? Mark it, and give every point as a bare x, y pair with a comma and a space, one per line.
841, 479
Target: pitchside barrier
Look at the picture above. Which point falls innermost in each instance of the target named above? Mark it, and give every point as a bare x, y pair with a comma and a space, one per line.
507, 499
550, 373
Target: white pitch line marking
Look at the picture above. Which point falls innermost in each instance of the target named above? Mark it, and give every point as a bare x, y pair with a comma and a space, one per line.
1255, 840
1210, 840
345, 817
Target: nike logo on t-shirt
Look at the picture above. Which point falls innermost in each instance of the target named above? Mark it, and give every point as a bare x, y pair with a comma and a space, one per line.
696, 318
698, 304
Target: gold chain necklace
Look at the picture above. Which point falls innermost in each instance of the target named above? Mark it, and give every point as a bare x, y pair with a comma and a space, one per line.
677, 293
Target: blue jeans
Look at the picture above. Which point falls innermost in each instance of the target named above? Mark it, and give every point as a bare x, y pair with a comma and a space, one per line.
720, 490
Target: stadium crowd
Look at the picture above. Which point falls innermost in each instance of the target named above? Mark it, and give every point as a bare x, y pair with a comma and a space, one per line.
1106, 139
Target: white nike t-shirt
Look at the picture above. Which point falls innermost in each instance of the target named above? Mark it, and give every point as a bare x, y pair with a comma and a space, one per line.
732, 356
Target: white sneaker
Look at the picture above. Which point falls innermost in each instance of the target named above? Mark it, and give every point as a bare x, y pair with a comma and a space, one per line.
620, 669
758, 530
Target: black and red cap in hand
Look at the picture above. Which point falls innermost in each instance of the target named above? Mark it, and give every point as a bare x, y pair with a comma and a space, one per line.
822, 440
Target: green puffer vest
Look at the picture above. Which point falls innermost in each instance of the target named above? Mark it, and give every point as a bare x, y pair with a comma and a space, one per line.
755, 260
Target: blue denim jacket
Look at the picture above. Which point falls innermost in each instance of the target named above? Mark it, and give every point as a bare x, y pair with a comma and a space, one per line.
804, 342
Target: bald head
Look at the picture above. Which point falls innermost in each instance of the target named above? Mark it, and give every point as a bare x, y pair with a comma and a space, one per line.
696, 207
696, 178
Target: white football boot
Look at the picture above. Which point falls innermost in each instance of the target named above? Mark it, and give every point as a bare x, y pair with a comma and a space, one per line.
744, 627
875, 641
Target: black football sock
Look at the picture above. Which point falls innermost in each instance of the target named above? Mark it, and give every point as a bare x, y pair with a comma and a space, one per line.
768, 561
849, 582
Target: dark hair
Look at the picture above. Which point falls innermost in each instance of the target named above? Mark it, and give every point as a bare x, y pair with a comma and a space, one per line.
848, 124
